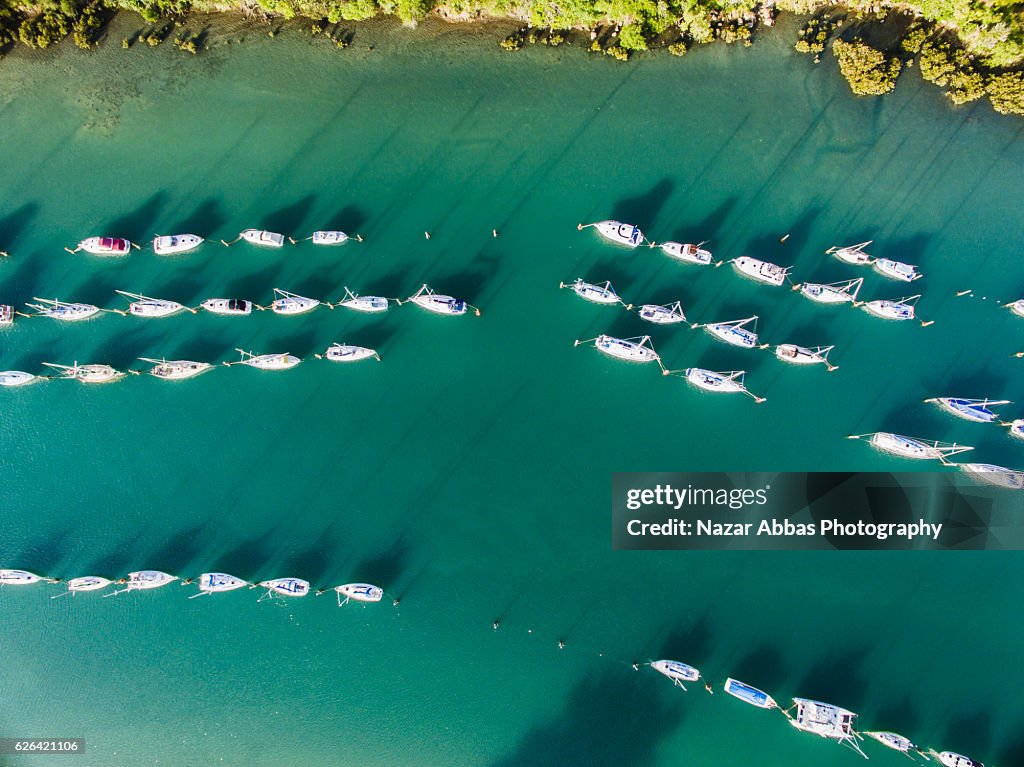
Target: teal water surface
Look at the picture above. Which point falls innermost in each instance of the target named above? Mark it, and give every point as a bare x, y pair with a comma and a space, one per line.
469, 472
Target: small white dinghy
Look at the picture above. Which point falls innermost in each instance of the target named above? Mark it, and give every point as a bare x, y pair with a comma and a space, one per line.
761, 271
228, 306
637, 349
688, 252
598, 294
16, 378
365, 304
662, 314
85, 583
843, 292
1017, 307
735, 332
358, 592
897, 269
21, 578
1017, 428
87, 373
260, 237
437, 303
286, 587
991, 474
329, 237
55, 309
216, 583
143, 306
748, 694
895, 741
144, 580
617, 232
803, 355
105, 246
176, 370
266, 361
898, 309
826, 720
953, 759
852, 254
349, 353
292, 303
979, 410
677, 671
170, 244
725, 382
912, 447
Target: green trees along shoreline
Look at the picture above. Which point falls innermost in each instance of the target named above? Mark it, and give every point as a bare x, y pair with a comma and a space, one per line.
971, 48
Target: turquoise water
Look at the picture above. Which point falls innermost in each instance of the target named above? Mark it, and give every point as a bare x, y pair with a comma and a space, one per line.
469, 472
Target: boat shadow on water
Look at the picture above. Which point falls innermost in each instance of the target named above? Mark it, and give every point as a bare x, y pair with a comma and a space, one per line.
709, 228
840, 675
118, 560
350, 219
249, 558
906, 249
206, 220
972, 732
47, 552
593, 727
693, 644
765, 666
181, 553
289, 219
386, 567
770, 246
643, 210
15, 223
138, 225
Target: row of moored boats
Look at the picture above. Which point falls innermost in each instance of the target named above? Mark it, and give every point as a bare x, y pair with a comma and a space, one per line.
174, 244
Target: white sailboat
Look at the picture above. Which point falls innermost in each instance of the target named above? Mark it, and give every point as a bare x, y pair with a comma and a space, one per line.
85, 583
735, 332
292, 303
286, 587
358, 592
617, 232
87, 373
176, 370
953, 759
438, 303
688, 252
143, 306
260, 237
842, 292
266, 361
217, 583
1017, 307
144, 580
105, 246
991, 474
761, 271
912, 447
979, 410
662, 314
898, 309
349, 353
227, 306
1017, 428
803, 355
852, 254
21, 578
677, 671
366, 304
897, 269
52, 307
895, 741
171, 244
826, 720
637, 349
725, 382
16, 378
595, 293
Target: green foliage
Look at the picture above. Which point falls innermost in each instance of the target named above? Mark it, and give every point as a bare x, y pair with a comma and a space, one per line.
868, 70
951, 67
677, 49
632, 38
86, 28
617, 52
734, 32
352, 10
10, 20
814, 34
1006, 92
187, 43
44, 29
914, 38
513, 42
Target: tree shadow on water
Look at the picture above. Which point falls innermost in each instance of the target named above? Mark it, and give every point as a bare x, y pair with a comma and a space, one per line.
643, 209
608, 720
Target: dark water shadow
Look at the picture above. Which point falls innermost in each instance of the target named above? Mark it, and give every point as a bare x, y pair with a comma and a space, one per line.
117, 562
350, 219
709, 228
15, 223
395, 284
45, 554
300, 344
184, 289
100, 289
372, 336
840, 678
607, 720
137, 225
385, 568
907, 249
469, 284
180, 551
771, 246
204, 221
124, 348
315, 562
763, 667
1012, 750
898, 715
288, 219
643, 210
972, 732
254, 286
692, 644
246, 558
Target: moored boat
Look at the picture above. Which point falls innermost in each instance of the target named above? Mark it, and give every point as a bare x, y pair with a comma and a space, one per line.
105, 246
595, 293
176, 370
10, 577
170, 244
328, 237
842, 292
358, 592
826, 720
16, 378
1017, 307
637, 349
617, 232
88, 583
762, 271
897, 269
953, 759
266, 361
688, 252
979, 410
143, 306
87, 373
894, 741
677, 671
852, 254
899, 309
366, 304
715, 381
217, 583
144, 580
748, 694
438, 303
663, 314
52, 307
349, 353
1017, 428
912, 447
803, 355
288, 587
735, 332
227, 306
6, 314
262, 238
991, 474
292, 303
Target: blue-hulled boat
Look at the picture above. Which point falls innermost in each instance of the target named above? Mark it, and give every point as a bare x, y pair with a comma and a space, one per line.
748, 694
971, 409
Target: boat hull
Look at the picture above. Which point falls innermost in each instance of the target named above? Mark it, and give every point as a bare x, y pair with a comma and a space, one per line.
731, 334
88, 583
760, 271
179, 370
619, 233
347, 353
106, 246
329, 238
896, 270
16, 378
272, 362
263, 238
439, 304
711, 381
169, 245
798, 355
595, 293
144, 580
905, 447
361, 592
659, 315
676, 671
227, 306
748, 694
367, 304
825, 294
624, 350
688, 253
216, 583
889, 310
288, 587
